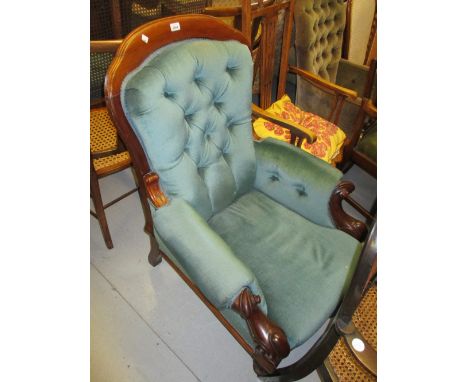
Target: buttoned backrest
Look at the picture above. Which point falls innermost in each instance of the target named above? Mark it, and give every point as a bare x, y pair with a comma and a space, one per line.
189, 103
320, 26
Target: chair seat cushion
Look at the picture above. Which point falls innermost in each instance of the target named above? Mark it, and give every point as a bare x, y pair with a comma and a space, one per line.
301, 267
330, 138
368, 144
103, 138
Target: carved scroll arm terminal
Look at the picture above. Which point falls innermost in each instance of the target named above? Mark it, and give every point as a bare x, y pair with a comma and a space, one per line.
153, 190
342, 220
270, 340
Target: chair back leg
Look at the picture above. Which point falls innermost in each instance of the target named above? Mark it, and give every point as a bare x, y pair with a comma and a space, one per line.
99, 208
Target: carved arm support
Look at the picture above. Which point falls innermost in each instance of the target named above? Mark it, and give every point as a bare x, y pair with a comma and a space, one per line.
153, 190
271, 341
342, 220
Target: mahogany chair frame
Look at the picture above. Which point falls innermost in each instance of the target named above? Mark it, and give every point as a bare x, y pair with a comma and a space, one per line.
271, 345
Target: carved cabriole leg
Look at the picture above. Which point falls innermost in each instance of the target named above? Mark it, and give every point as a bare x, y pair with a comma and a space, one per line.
342, 220
271, 342
154, 256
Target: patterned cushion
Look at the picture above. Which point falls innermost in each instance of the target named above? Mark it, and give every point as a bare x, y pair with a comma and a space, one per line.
330, 138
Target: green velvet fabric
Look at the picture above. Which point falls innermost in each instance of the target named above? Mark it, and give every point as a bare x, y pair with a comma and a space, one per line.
296, 179
301, 267
352, 76
189, 104
319, 29
320, 26
368, 144
204, 256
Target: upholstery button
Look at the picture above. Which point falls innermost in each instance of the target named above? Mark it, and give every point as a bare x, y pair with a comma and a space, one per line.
301, 191
274, 178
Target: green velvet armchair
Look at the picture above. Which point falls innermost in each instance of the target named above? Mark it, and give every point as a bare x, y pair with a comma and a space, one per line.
256, 229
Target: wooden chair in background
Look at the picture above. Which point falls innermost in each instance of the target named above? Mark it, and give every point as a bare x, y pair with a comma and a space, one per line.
108, 155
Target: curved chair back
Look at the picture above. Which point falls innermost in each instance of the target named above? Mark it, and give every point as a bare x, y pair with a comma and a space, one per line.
179, 90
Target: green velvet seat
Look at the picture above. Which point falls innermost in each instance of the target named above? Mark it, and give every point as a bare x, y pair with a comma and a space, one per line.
289, 254
368, 144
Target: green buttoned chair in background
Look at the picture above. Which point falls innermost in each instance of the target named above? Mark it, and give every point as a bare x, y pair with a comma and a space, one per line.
320, 30
255, 228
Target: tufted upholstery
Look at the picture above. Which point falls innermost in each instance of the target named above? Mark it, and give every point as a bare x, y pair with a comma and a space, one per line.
318, 41
199, 143
295, 179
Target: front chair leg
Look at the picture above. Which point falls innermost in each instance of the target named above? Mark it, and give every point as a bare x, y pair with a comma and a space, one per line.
154, 256
271, 341
99, 207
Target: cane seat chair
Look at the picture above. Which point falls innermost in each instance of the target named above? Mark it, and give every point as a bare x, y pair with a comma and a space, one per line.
108, 155
255, 228
354, 357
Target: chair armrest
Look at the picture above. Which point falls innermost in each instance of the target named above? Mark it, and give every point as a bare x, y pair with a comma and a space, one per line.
352, 76
204, 256
223, 11
295, 128
324, 84
296, 179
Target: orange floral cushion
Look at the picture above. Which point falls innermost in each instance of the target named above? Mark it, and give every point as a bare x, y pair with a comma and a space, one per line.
330, 138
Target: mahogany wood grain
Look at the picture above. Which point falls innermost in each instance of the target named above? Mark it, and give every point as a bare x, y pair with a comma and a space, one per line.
104, 46
153, 190
267, 64
223, 11
371, 50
